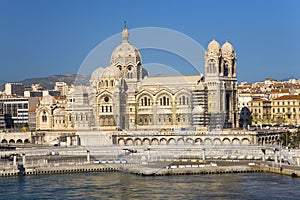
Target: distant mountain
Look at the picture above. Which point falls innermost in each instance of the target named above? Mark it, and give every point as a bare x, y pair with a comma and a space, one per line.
286, 79
49, 82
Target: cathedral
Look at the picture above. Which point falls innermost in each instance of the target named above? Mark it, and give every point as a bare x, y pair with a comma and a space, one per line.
123, 97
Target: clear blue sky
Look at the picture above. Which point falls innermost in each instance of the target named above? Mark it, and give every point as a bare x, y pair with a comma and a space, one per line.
45, 37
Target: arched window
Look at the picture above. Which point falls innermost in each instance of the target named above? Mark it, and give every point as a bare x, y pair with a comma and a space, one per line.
106, 83
183, 100
44, 117
164, 101
145, 101
111, 83
129, 75
211, 66
226, 70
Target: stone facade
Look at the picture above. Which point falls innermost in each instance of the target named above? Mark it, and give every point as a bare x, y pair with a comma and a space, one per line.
123, 97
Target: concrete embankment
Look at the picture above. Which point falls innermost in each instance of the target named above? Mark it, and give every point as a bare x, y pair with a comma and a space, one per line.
293, 172
148, 171
59, 170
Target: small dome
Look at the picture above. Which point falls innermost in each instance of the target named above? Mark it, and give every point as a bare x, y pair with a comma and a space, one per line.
97, 73
112, 72
227, 47
213, 46
47, 100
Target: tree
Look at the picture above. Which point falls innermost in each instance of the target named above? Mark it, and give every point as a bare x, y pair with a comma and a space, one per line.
285, 138
291, 139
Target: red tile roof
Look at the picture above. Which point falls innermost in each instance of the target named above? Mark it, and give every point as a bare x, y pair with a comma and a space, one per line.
289, 97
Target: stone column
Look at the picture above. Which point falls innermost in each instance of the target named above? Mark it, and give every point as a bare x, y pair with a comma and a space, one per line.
23, 160
275, 157
15, 160
203, 154
88, 156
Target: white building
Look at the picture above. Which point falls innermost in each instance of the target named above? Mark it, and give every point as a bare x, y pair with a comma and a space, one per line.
123, 96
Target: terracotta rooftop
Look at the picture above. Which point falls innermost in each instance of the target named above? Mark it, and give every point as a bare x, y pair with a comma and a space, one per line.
60, 97
260, 100
288, 97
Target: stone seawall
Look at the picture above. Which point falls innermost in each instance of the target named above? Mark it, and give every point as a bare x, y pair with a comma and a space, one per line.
59, 170
145, 171
149, 171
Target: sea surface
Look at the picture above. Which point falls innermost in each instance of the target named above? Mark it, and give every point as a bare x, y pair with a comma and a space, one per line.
115, 185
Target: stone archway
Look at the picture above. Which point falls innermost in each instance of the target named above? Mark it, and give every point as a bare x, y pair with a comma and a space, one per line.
207, 141
198, 141
146, 141
4, 141
137, 141
171, 141
217, 141
11, 141
226, 141
163, 141
246, 141
19, 141
129, 141
121, 142
154, 141
180, 141
236, 141
189, 141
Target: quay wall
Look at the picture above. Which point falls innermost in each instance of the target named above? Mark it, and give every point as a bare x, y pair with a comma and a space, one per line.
145, 171
60, 170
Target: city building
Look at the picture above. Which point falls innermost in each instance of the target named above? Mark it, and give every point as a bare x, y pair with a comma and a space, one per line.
15, 109
14, 89
62, 87
286, 109
261, 110
270, 101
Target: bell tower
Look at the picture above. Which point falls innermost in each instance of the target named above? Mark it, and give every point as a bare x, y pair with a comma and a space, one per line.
215, 85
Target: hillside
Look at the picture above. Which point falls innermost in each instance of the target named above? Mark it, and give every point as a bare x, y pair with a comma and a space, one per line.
49, 82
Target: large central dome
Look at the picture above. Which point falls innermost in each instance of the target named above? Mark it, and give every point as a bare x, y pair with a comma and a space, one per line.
125, 53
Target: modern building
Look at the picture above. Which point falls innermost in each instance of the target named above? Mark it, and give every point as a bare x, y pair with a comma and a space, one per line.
15, 108
14, 89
